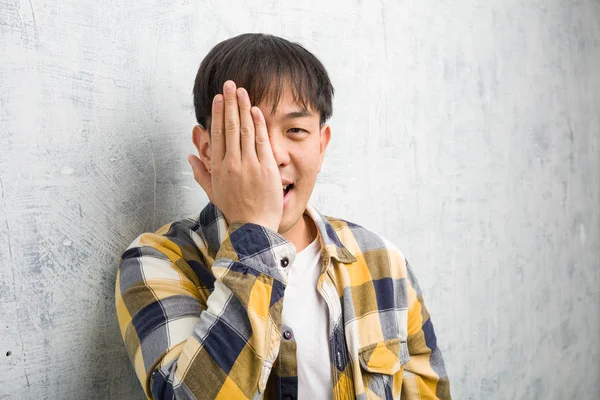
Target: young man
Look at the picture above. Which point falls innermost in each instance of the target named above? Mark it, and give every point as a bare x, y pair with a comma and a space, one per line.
261, 296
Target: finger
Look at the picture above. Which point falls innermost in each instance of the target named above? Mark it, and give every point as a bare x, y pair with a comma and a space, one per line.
217, 136
232, 121
263, 146
201, 175
246, 126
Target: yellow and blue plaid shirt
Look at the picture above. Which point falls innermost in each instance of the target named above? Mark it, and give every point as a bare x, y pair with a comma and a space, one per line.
199, 305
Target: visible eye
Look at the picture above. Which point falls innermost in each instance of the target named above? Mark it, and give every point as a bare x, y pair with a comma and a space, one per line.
297, 130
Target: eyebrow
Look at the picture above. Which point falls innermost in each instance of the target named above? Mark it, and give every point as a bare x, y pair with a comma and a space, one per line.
298, 114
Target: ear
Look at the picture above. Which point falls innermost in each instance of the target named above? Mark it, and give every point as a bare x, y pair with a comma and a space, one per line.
324, 141
201, 140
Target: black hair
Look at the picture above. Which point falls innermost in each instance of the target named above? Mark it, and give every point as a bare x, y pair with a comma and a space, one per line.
262, 64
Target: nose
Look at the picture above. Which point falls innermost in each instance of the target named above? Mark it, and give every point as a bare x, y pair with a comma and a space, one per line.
279, 148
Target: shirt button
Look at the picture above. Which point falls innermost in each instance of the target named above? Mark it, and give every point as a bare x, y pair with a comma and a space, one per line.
287, 335
285, 262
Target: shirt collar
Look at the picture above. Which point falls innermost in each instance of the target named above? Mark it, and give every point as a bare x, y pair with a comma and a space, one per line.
214, 230
331, 244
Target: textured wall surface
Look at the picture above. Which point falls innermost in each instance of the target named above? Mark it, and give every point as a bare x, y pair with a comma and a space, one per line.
466, 132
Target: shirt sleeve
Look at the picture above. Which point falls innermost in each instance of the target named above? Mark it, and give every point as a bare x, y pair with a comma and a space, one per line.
188, 339
424, 375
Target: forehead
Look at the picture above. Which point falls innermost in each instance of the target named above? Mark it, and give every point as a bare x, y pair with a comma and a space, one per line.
289, 105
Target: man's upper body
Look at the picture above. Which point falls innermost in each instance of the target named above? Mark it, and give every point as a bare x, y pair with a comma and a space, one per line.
200, 307
201, 303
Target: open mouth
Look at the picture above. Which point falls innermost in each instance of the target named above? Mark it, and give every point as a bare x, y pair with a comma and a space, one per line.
287, 188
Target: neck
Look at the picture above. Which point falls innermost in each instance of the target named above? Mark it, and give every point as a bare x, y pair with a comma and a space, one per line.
302, 234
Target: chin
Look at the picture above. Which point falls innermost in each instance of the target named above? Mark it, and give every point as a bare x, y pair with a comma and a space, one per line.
289, 220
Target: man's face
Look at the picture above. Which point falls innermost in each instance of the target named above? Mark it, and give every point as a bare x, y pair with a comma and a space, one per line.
298, 143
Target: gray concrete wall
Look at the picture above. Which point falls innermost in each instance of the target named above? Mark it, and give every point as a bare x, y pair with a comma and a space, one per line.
466, 132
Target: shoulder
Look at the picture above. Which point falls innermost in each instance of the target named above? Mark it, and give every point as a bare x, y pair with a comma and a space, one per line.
173, 251
176, 247
172, 237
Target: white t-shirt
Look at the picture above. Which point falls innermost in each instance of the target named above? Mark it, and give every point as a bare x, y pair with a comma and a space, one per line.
305, 312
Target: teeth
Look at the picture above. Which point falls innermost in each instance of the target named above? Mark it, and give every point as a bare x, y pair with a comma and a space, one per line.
285, 186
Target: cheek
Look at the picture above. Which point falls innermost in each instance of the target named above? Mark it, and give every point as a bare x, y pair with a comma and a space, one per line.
307, 166
308, 158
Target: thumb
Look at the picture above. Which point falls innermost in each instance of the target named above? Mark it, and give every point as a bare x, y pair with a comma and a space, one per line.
201, 175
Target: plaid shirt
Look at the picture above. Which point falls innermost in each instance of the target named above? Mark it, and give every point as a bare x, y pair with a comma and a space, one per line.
199, 305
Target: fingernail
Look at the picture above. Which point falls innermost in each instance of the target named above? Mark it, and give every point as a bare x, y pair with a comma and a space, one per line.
255, 113
218, 99
241, 92
229, 87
